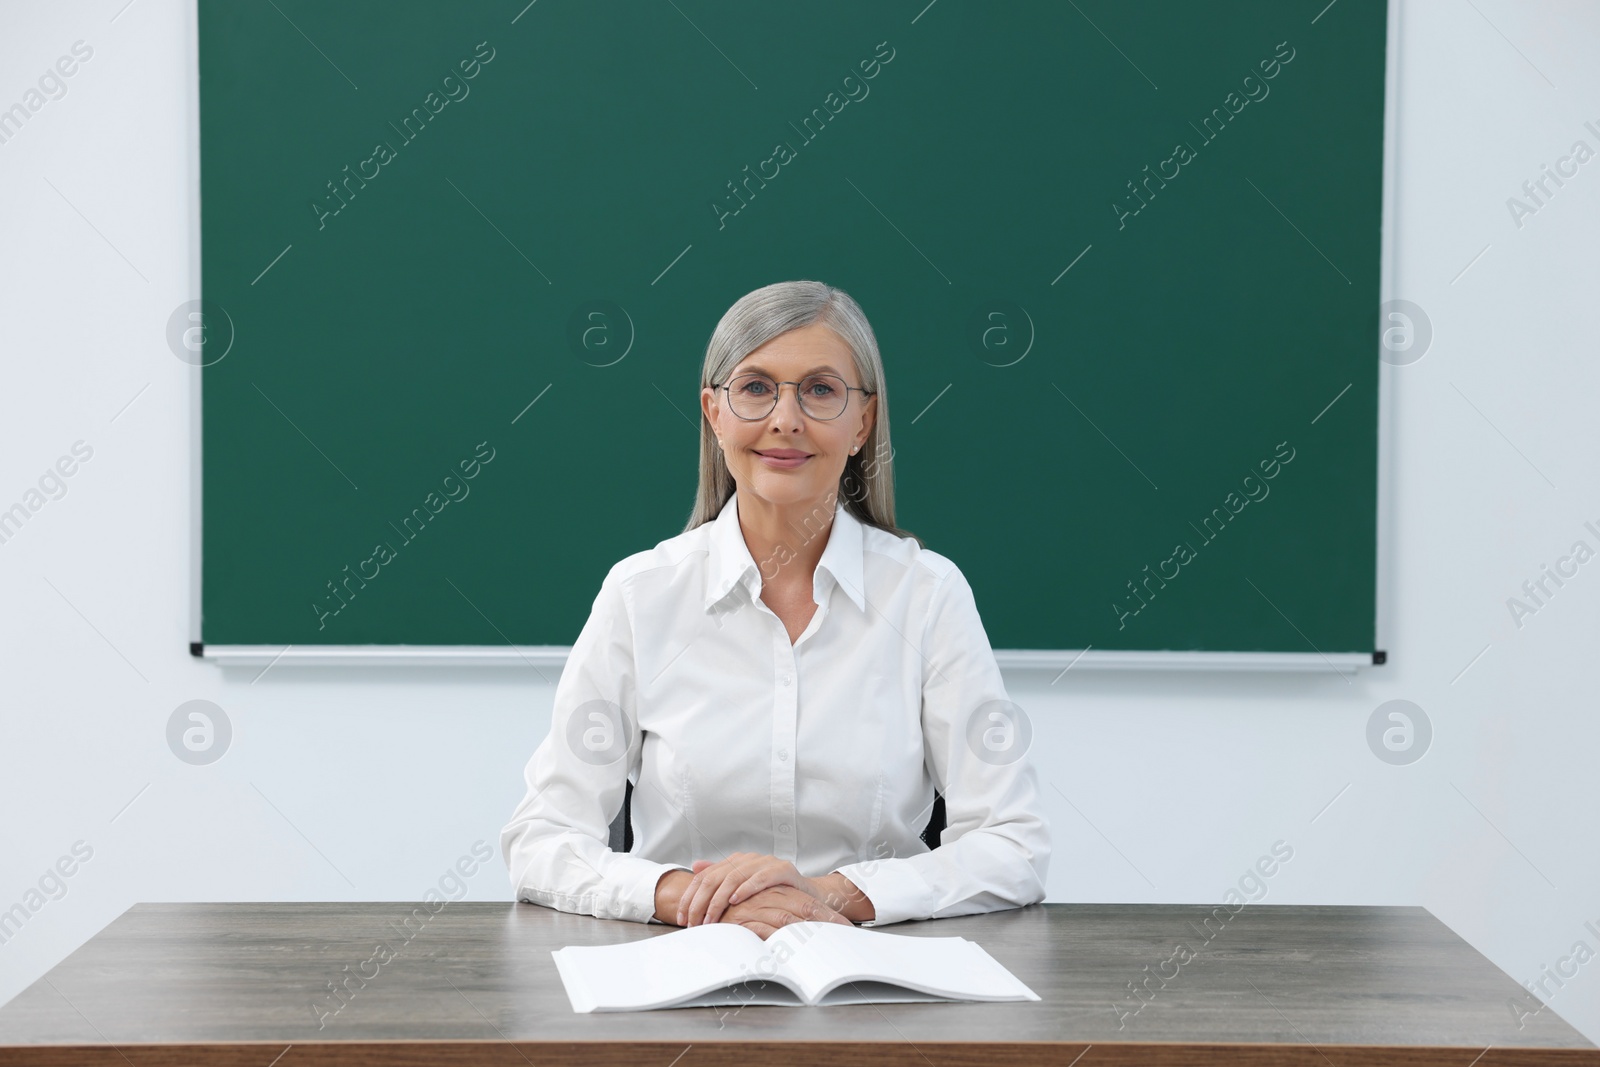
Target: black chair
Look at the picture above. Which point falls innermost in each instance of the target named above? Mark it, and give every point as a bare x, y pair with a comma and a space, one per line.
622, 825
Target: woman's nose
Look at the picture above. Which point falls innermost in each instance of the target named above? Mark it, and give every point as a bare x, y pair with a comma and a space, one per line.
788, 408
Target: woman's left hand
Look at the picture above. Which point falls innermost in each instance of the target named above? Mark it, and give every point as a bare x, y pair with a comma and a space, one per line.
736, 878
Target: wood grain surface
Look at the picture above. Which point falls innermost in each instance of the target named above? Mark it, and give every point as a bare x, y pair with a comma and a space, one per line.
248, 983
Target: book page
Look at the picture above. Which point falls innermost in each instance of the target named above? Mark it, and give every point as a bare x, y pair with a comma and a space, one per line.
660, 971
821, 957
745, 994
877, 993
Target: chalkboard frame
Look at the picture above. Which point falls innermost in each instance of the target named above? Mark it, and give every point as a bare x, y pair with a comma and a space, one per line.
554, 656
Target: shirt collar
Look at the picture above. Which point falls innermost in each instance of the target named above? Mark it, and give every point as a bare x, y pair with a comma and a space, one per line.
731, 564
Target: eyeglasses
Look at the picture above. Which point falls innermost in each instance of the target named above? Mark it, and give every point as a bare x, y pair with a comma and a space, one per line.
822, 396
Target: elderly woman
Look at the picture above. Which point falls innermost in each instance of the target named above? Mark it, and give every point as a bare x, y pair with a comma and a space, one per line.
788, 681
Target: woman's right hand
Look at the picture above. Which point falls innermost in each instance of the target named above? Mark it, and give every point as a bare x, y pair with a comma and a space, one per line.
766, 910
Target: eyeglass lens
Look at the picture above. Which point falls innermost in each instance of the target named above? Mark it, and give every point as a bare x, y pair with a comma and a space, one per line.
822, 396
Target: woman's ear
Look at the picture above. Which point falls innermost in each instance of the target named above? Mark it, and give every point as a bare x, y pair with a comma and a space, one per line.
709, 406
869, 419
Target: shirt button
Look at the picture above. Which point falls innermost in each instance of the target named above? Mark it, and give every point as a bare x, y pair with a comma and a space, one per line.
787, 680
783, 827
783, 753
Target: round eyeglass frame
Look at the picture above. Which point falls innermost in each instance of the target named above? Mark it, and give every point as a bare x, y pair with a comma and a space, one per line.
777, 393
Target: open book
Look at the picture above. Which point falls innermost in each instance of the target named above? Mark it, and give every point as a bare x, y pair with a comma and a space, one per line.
804, 963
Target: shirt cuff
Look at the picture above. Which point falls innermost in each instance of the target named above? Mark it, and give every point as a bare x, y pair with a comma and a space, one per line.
896, 888
636, 878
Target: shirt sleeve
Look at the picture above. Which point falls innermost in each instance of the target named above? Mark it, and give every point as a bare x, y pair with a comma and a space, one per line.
995, 850
557, 842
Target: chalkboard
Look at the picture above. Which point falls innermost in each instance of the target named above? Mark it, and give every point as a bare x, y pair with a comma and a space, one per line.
460, 263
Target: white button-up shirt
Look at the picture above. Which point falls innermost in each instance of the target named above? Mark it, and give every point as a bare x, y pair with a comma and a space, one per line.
825, 752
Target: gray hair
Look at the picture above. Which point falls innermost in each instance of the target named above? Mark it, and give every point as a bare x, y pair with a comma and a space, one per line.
866, 486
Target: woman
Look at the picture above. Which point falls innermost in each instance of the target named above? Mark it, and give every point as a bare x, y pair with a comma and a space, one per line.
788, 681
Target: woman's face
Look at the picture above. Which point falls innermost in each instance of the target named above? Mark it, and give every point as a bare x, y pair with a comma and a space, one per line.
790, 357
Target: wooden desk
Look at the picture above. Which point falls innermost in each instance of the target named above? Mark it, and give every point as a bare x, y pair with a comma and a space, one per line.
474, 983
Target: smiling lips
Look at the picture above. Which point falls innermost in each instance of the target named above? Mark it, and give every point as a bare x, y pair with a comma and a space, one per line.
783, 458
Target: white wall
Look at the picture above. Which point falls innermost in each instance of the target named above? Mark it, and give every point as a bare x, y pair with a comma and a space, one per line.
364, 785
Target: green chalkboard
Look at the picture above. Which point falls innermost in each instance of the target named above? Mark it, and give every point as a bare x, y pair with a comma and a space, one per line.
1121, 257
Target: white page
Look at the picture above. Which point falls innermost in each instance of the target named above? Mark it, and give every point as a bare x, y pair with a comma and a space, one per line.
655, 972
746, 994
877, 993
823, 957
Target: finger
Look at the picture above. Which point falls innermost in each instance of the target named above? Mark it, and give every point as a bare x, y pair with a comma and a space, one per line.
741, 882
818, 911
688, 895
710, 881
785, 897
698, 901
684, 899
775, 917
686, 902
718, 903
762, 929
754, 884
814, 910
780, 873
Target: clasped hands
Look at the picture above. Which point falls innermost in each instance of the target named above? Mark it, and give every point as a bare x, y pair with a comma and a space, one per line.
763, 893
